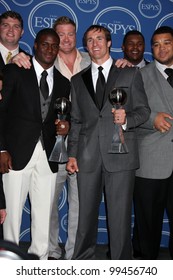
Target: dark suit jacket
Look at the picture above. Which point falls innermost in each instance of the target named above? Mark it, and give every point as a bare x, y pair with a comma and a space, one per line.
2, 64
20, 114
2, 203
92, 130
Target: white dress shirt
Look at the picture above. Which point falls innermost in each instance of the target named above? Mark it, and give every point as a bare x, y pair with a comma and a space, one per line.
39, 69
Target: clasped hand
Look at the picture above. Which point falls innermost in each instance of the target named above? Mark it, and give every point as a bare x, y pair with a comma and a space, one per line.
119, 116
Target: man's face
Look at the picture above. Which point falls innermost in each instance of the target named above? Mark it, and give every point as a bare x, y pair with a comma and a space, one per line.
163, 48
10, 32
134, 49
97, 46
46, 50
67, 34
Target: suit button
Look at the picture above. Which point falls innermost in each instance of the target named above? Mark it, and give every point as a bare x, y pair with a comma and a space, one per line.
100, 116
171, 140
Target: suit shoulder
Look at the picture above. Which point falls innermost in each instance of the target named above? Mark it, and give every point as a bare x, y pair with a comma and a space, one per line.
85, 56
149, 67
60, 76
78, 75
8, 68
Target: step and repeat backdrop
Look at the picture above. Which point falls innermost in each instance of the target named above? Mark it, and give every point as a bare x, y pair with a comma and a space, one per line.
119, 16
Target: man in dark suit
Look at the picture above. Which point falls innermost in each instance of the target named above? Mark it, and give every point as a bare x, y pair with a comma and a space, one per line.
90, 138
27, 137
133, 47
11, 30
2, 197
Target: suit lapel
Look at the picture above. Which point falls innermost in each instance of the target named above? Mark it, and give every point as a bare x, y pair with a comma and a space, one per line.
111, 81
87, 78
2, 64
112, 77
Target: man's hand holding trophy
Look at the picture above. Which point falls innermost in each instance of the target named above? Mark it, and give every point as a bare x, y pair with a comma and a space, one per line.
62, 107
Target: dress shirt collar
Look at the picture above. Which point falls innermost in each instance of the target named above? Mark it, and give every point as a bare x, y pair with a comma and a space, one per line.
106, 67
4, 51
64, 68
141, 64
162, 67
39, 69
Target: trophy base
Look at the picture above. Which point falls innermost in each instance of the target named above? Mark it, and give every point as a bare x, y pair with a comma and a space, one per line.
118, 148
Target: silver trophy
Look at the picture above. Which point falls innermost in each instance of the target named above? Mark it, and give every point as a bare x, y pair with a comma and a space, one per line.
117, 98
59, 153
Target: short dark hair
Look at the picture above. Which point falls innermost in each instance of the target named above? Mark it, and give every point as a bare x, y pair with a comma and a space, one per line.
46, 31
63, 20
97, 28
133, 32
13, 15
162, 30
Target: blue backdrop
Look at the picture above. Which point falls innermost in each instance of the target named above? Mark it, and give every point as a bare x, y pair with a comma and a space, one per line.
119, 16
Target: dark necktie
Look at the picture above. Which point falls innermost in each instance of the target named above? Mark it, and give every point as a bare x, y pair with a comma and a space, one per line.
44, 85
100, 87
169, 72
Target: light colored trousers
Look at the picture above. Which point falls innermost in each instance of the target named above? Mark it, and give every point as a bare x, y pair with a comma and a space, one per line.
73, 213
38, 180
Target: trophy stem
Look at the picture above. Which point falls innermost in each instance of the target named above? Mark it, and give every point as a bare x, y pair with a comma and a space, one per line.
118, 145
59, 152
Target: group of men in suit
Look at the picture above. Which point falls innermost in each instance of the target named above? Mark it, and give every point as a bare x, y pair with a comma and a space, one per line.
27, 136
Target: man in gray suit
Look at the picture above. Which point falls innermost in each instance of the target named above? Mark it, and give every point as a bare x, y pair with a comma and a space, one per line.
90, 138
154, 182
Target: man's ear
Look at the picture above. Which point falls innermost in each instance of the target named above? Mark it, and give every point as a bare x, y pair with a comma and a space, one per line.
22, 32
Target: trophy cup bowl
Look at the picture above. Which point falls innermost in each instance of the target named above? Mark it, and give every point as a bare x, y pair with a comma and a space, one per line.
117, 98
62, 107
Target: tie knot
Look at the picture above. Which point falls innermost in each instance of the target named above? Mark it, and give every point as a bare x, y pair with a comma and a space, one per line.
100, 68
169, 71
44, 74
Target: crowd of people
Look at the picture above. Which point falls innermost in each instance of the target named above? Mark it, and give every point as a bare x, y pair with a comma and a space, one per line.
140, 176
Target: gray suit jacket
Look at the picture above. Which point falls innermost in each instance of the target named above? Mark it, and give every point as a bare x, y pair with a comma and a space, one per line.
156, 148
92, 130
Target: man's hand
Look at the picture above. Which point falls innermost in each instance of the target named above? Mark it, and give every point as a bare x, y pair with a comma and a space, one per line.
5, 162
72, 166
119, 116
122, 62
3, 214
161, 123
22, 60
62, 127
